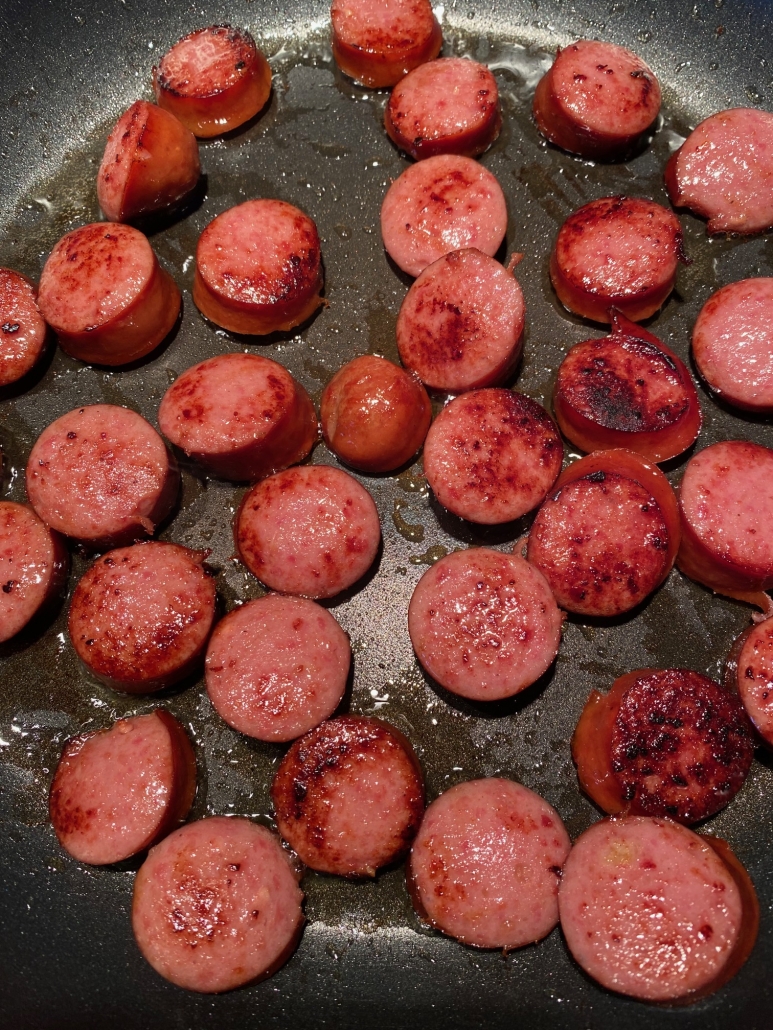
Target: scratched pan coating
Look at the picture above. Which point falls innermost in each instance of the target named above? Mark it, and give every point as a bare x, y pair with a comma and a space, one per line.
68, 956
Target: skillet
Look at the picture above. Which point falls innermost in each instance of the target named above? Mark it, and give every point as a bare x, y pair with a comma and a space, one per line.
67, 953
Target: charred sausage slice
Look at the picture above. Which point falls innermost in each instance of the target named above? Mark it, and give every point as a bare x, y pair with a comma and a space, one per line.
33, 567
23, 331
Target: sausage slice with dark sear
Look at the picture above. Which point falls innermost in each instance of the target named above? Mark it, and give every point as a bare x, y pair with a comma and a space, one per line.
34, 564
749, 673
377, 43
23, 331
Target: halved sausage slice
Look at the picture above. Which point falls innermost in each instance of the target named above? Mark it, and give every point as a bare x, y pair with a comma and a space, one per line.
34, 564
749, 672
377, 43
23, 331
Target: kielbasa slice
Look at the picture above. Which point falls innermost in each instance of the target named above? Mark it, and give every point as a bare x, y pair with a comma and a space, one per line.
217, 905
378, 43
447, 106
447, 337
749, 672
650, 909
102, 475
119, 790
484, 624
627, 390
732, 343
374, 415
349, 796
213, 80
311, 530
34, 564
277, 667
442, 204
485, 864
105, 295
619, 252
723, 171
141, 616
23, 331
239, 416
597, 100
259, 268
492, 455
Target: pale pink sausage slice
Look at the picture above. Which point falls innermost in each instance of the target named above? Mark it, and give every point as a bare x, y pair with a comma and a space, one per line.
102, 475
492, 455
484, 624
377, 43
349, 796
33, 567
486, 862
239, 416
217, 905
311, 530
749, 672
22, 328
724, 171
442, 204
460, 326
119, 790
732, 343
277, 667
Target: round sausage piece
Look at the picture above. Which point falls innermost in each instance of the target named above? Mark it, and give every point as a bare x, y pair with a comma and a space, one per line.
749, 673
213, 80
649, 909
105, 295
597, 100
102, 475
119, 790
312, 531
349, 796
485, 864
239, 416
724, 172
447, 106
34, 564
259, 268
732, 343
442, 204
23, 332
484, 624
141, 616
378, 43
374, 415
461, 323
277, 667
492, 456
217, 905
619, 252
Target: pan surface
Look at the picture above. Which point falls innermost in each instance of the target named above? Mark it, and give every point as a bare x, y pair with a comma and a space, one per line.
67, 952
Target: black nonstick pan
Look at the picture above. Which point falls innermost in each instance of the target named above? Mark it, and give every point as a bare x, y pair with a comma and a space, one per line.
69, 69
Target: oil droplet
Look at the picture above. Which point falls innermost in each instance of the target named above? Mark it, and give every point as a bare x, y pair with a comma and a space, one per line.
410, 531
430, 556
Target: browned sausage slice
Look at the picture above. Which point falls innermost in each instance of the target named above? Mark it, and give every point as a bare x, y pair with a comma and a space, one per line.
33, 567
22, 327
749, 672
377, 43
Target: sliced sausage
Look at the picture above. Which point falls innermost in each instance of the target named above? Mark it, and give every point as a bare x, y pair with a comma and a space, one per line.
608, 534
442, 204
119, 790
447, 106
723, 171
217, 905
213, 80
23, 331
277, 667
374, 415
34, 564
484, 624
378, 43
749, 672
239, 416
312, 531
597, 100
627, 390
141, 616
449, 338
349, 796
666, 742
259, 268
151, 161
619, 252
486, 862
732, 343
652, 910
492, 456
102, 475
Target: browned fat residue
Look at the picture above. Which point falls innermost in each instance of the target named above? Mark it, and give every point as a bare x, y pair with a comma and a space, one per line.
68, 817
196, 912
280, 389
